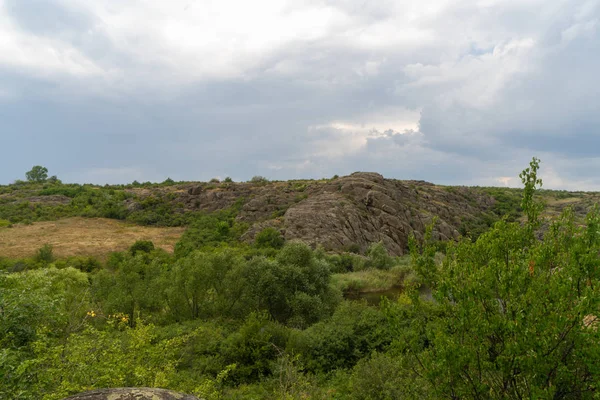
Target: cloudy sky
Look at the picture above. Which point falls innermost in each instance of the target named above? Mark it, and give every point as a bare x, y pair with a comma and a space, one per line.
450, 91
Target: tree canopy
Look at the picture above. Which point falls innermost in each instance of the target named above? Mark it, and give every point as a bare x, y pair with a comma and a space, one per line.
37, 174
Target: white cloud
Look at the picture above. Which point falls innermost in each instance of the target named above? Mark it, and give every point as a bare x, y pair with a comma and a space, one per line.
41, 56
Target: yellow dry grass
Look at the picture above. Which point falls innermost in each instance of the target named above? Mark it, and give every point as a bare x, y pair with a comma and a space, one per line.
82, 237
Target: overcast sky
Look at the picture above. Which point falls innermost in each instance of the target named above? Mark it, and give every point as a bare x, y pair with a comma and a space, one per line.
450, 91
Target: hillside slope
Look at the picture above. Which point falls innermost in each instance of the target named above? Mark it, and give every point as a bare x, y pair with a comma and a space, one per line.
341, 214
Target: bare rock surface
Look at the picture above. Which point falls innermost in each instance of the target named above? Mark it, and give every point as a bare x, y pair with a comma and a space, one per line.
132, 394
364, 208
358, 209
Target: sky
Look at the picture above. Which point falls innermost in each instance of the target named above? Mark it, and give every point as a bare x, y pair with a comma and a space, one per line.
457, 92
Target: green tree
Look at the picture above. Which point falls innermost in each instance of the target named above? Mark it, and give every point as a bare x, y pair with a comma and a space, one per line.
379, 257
34, 306
205, 285
37, 174
294, 288
351, 333
45, 254
517, 316
136, 288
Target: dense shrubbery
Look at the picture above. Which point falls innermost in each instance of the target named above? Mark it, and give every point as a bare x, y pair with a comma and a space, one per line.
512, 317
89, 201
269, 237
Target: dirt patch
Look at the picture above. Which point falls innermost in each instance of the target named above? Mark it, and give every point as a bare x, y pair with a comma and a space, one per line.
82, 237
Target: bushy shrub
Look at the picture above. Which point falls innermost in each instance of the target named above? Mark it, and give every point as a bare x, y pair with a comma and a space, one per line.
259, 179
354, 248
143, 246
209, 230
378, 257
269, 237
354, 331
294, 288
254, 347
84, 264
346, 262
381, 377
45, 254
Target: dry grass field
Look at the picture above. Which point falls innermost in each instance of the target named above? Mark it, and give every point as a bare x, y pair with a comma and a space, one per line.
82, 237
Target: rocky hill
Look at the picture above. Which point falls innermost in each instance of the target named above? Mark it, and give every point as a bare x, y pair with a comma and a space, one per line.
341, 214
354, 210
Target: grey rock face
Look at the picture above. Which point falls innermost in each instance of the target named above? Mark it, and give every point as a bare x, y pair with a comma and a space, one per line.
359, 209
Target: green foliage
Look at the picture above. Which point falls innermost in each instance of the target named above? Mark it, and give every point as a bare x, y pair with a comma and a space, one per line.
257, 179
209, 230
157, 210
34, 301
378, 257
507, 202
381, 377
294, 288
71, 191
205, 285
472, 227
45, 254
37, 174
354, 248
269, 238
513, 312
54, 180
254, 347
141, 246
228, 180
82, 263
104, 358
532, 183
353, 332
346, 262
134, 289
499, 315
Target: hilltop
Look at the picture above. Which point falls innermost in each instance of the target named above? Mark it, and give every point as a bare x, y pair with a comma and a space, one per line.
341, 214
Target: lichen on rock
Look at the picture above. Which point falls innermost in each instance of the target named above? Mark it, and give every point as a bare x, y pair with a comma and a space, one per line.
132, 394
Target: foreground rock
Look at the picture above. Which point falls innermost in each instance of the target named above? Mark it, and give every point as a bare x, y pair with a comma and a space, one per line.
131, 394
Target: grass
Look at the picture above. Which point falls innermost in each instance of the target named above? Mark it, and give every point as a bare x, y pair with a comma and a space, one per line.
374, 280
368, 280
77, 236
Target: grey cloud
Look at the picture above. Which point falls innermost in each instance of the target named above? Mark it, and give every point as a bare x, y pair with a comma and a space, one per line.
47, 17
258, 124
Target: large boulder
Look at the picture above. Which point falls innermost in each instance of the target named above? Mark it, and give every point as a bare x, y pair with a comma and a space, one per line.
132, 394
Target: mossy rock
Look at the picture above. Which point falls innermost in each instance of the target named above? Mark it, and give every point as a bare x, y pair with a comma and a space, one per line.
132, 394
